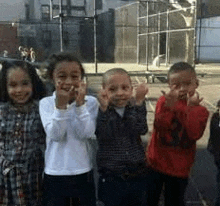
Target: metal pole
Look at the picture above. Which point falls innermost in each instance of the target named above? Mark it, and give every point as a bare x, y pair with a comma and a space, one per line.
167, 37
200, 29
51, 10
138, 41
95, 37
61, 26
158, 39
147, 37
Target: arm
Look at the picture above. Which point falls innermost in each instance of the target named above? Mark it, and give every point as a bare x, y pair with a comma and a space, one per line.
103, 131
85, 121
163, 115
54, 120
141, 115
214, 138
194, 119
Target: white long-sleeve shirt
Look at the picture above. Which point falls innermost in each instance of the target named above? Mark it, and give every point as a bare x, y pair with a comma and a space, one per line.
68, 149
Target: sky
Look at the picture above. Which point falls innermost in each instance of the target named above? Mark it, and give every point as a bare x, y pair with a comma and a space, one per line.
11, 9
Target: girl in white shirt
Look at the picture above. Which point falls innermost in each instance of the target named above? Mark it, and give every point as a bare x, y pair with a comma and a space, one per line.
68, 117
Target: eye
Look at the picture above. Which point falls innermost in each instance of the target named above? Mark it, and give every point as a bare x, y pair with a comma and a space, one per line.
12, 84
75, 77
125, 87
112, 89
26, 82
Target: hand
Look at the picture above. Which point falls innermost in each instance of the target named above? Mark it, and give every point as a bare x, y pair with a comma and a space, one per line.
171, 96
141, 92
62, 96
193, 100
80, 94
103, 100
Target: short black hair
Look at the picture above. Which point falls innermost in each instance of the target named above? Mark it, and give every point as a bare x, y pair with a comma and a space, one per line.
111, 72
180, 66
54, 59
39, 90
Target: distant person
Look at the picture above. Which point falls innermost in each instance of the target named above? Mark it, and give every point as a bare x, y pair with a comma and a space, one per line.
179, 122
5, 53
121, 157
32, 55
214, 146
22, 53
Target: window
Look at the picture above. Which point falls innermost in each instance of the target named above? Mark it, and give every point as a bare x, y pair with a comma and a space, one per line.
46, 38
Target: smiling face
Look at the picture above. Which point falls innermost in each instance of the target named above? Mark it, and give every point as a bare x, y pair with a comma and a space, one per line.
67, 74
183, 81
119, 89
19, 85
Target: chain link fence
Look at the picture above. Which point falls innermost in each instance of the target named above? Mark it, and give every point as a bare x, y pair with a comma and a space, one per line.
155, 32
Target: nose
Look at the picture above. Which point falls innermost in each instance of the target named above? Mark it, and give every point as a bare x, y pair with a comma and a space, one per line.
68, 80
183, 87
19, 88
119, 92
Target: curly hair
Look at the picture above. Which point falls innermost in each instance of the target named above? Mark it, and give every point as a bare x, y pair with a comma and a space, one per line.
39, 90
54, 59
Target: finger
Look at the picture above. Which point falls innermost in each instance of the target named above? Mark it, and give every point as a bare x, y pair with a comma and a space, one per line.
201, 99
163, 92
59, 85
71, 89
173, 87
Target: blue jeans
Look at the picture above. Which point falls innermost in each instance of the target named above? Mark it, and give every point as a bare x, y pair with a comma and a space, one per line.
117, 191
59, 190
174, 189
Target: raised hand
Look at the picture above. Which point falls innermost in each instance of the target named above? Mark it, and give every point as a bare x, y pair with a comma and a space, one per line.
62, 96
193, 100
141, 92
171, 96
80, 94
103, 100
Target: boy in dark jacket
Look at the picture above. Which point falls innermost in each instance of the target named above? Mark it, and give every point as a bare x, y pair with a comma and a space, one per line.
214, 147
121, 156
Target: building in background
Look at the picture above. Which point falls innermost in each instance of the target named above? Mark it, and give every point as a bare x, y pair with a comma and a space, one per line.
120, 32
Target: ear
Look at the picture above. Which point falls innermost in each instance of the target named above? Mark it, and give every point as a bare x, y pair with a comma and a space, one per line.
197, 83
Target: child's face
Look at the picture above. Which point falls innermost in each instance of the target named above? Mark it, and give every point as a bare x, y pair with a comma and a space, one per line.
67, 74
184, 82
119, 90
19, 85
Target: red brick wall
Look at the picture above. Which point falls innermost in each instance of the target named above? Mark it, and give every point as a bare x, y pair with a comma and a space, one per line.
9, 40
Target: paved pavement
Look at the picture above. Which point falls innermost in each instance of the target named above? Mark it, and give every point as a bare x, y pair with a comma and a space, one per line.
202, 185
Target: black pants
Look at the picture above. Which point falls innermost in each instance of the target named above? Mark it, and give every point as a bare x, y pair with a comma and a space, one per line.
116, 191
61, 190
174, 189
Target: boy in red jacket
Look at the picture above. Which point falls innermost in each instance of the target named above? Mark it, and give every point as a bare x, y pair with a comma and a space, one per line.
179, 122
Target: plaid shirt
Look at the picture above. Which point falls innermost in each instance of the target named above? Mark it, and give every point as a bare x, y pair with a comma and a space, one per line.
22, 143
120, 148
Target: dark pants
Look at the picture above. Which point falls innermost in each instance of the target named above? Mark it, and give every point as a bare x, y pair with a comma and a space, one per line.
61, 190
116, 191
174, 189
217, 201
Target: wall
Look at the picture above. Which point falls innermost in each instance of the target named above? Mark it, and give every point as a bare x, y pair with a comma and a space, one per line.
208, 43
8, 39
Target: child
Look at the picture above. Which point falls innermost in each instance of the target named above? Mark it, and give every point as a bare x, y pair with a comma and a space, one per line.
213, 147
22, 137
68, 117
179, 122
121, 157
